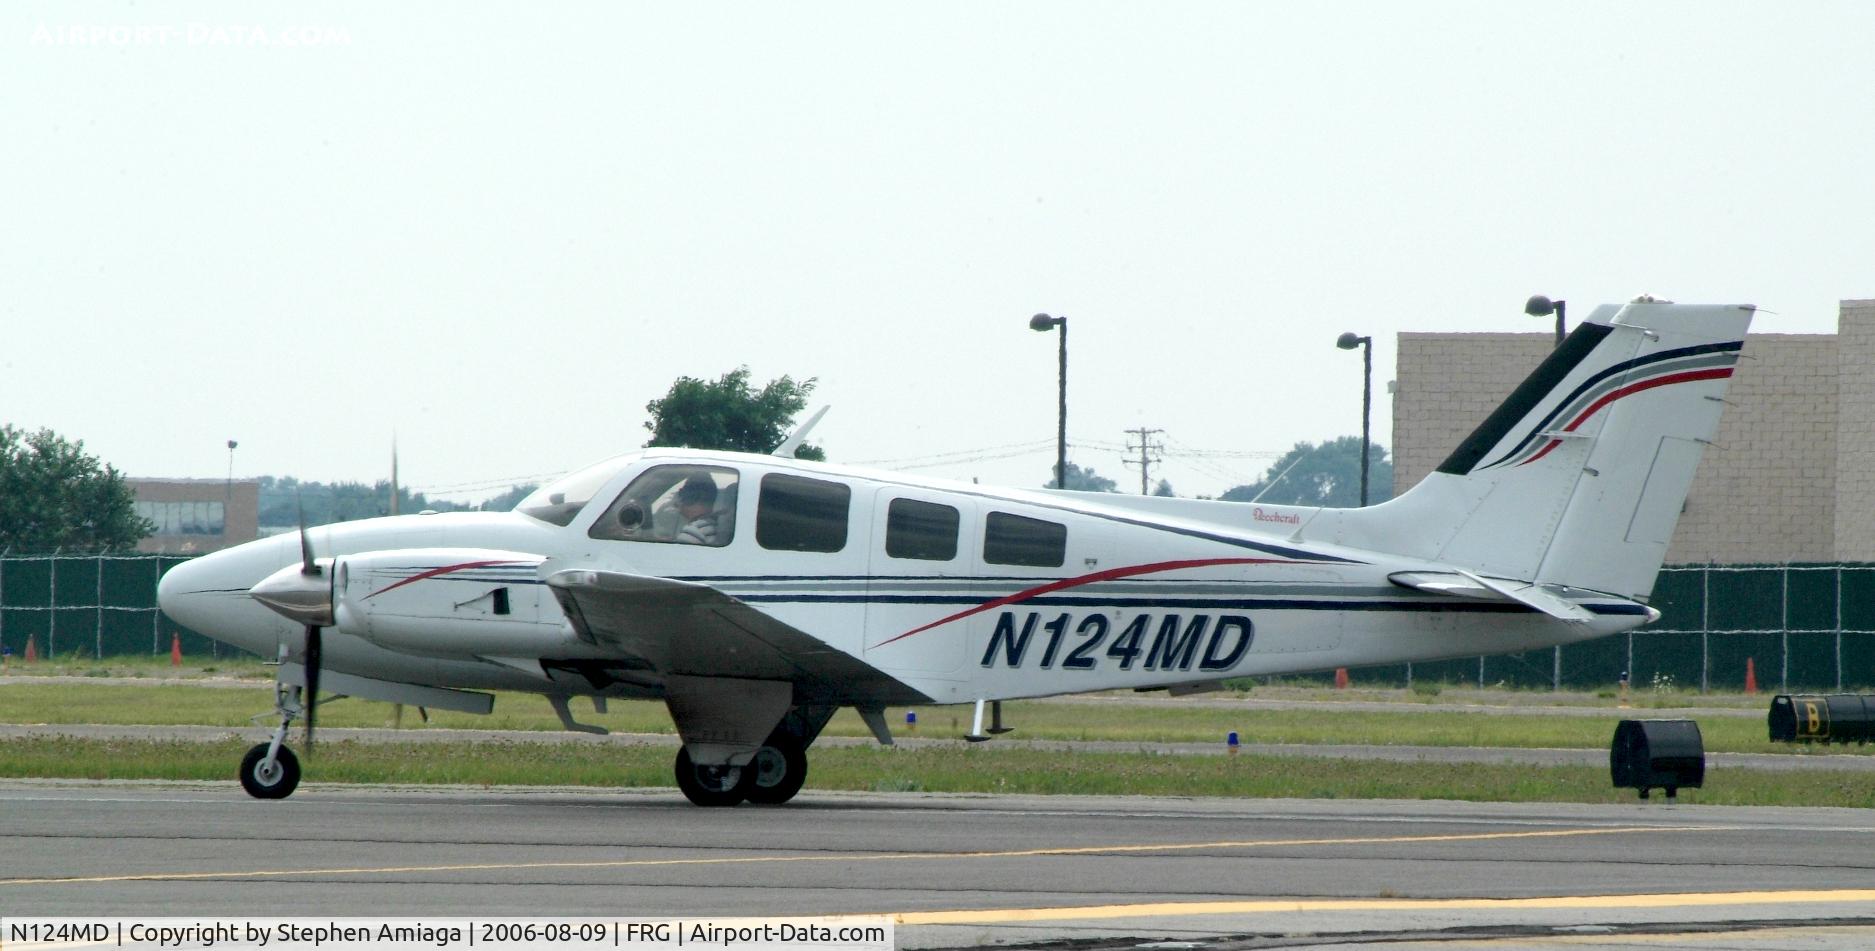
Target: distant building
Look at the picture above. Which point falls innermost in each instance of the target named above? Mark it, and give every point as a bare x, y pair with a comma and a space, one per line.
197, 515
1791, 476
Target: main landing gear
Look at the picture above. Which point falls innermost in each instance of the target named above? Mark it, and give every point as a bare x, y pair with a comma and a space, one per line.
270, 770
771, 778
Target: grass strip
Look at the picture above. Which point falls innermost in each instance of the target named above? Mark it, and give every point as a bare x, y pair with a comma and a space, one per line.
1317, 724
960, 770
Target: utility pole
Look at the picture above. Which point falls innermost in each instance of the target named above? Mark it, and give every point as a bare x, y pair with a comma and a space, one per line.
1146, 446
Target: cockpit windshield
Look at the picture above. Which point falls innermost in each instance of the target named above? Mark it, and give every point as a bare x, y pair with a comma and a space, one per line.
561, 500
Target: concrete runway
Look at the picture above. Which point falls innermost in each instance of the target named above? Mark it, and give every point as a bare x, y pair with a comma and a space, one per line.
962, 871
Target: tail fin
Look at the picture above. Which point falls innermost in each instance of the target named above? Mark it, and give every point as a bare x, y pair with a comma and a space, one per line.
1579, 477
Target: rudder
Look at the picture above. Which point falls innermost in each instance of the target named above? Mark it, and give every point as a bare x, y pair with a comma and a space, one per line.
1578, 478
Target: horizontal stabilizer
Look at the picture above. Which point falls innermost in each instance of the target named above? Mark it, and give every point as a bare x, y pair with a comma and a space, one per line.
1468, 585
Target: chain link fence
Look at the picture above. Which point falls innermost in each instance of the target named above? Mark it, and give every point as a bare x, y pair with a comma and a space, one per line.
1796, 626
89, 606
1801, 626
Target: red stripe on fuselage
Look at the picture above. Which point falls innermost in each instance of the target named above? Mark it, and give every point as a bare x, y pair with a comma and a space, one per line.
433, 572
1108, 575
1714, 373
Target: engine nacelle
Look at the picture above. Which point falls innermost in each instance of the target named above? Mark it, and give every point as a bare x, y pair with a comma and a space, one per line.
450, 602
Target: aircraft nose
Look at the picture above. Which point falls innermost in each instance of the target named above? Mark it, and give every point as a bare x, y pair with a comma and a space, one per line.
209, 594
186, 595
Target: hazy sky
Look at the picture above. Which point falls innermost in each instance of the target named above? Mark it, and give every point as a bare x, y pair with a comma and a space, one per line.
500, 229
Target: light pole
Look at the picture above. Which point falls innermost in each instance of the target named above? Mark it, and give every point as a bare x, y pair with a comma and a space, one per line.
1349, 341
1045, 323
1540, 306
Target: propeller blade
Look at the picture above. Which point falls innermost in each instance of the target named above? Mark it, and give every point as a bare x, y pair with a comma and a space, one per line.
314, 648
307, 566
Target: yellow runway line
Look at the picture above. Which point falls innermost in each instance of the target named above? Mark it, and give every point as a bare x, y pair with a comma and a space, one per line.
1278, 906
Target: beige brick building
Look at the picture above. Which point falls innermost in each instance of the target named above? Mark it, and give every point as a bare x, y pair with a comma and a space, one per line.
193, 516
1791, 476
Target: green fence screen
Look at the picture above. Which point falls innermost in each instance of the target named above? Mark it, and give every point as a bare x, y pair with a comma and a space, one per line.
1802, 627
90, 606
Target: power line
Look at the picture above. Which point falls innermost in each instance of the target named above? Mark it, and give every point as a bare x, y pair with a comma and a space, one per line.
984, 458
943, 458
1180, 449
508, 483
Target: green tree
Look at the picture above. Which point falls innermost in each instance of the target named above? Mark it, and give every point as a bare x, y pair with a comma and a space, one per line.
1164, 489
55, 495
1328, 474
727, 414
1086, 480
506, 501
282, 499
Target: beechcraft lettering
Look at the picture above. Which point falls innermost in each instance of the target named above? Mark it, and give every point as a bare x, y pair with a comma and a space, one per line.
1264, 515
1079, 642
757, 595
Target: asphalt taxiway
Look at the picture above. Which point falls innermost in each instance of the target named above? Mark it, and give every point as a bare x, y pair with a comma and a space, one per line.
1800, 759
961, 871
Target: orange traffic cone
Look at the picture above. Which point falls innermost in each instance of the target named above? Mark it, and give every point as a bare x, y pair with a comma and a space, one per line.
175, 649
32, 650
1341, 678
1751, 676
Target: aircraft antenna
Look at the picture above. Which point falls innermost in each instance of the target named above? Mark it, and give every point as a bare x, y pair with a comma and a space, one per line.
1279, 476
793, 442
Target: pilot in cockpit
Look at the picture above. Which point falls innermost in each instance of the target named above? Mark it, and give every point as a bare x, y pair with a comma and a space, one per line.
696, 503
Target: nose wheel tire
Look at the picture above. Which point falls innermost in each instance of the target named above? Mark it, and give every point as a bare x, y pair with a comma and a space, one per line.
264, 780
777, 772
708, 785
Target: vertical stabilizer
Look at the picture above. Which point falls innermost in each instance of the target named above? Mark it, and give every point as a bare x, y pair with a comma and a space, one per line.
1578, 478
1662, 412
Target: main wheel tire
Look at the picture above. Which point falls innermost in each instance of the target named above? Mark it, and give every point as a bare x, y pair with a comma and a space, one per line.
264, 781
708, 785
777, 772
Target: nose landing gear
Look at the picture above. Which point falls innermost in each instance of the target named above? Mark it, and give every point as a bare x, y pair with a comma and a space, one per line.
268, 773
270, 770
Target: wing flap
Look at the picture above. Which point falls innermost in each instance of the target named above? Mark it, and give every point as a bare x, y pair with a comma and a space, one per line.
687, 628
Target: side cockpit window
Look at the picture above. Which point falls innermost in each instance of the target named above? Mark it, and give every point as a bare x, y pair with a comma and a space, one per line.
674, 504
560, 501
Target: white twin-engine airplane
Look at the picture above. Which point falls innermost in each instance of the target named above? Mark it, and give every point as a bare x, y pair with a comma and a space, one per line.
756, 595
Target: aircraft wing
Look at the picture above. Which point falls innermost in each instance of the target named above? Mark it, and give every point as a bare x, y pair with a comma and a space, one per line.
686, 628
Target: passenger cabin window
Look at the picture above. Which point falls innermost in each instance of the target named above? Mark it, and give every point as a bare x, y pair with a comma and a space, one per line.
1015, 540
675, 504
923, 530
799, 514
